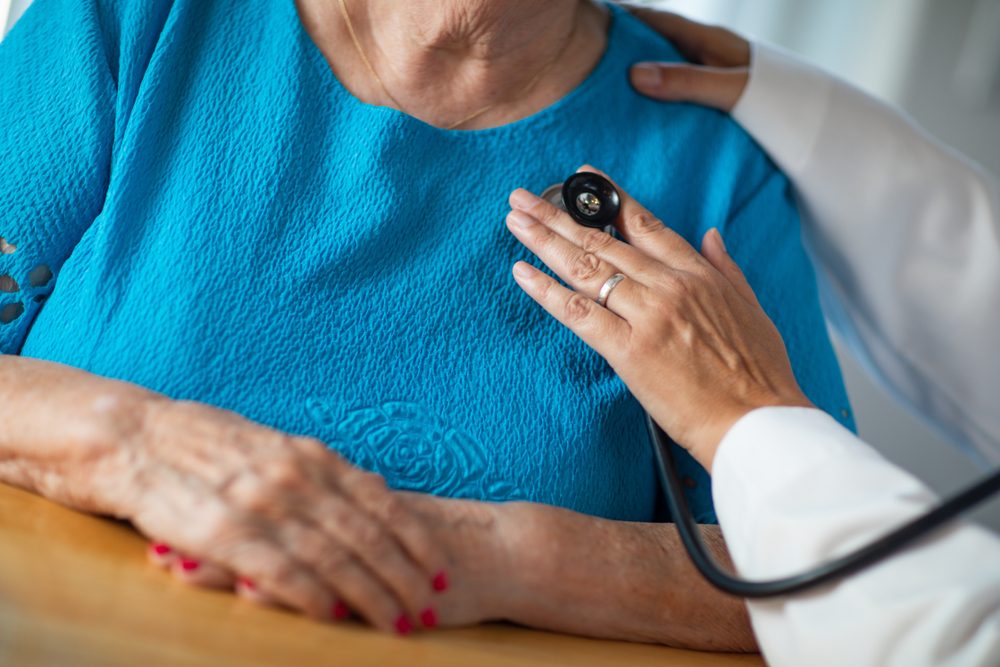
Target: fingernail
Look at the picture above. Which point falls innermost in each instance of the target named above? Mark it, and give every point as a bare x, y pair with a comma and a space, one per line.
340, 610
646, 75
523, 199
189, 565
247, 583
523, 270
160, 549
428, 617
440, 582
520, 219
718, 235
404, 626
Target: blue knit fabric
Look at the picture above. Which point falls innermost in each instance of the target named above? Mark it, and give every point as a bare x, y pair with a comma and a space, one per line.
224, 222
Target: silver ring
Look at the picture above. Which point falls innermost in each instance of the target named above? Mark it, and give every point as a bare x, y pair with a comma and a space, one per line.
609, 284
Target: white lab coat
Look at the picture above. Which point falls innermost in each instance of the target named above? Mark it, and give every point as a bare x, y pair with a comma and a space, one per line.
905, 234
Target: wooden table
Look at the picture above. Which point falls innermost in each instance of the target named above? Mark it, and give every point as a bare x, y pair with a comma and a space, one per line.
76, 591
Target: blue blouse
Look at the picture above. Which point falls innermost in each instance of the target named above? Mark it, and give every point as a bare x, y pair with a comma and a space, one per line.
191, 201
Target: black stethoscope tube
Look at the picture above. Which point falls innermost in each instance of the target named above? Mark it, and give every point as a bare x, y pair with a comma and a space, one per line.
593, 201
837, 568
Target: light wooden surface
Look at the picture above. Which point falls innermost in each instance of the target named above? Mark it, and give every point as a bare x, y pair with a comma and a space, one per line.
76, 591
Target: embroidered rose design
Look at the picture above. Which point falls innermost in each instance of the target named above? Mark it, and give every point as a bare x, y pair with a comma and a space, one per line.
413, 449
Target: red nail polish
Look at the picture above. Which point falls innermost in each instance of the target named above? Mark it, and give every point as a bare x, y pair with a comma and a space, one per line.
247, 583
440, 583
428, 617
160, 549
404, 626
340, 610
189, 565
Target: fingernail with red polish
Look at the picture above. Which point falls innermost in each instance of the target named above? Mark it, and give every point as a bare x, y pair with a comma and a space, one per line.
428, 617
247, 584
160, 549
440, 582
340, 610
189, 565
404, 626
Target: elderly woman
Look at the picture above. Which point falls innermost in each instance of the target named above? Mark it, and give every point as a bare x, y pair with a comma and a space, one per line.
257, 292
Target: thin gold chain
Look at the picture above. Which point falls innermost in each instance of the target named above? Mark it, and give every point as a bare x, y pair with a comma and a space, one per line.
466, 119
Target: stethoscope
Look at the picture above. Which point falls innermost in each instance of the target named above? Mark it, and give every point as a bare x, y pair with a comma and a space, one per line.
592, 201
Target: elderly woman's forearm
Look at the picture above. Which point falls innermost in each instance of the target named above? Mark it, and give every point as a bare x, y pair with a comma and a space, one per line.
619, 580
60, 426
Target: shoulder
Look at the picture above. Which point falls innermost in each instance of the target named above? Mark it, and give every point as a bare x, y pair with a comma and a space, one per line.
694, 139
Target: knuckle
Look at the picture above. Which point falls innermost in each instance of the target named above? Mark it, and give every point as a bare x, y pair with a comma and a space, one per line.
578, 308
309, 447
585, 266
373, 541
252, 493
544, 291
640, 224
370, 487
545, 237
545, 213
595, 240
284, 473
391, 510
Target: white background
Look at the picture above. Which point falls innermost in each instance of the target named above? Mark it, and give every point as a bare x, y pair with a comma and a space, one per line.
937, 59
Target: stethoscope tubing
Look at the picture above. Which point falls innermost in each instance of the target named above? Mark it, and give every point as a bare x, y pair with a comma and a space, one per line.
838, 568
593, 201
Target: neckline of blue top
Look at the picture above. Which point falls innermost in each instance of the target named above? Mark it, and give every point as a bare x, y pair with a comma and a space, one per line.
592, 83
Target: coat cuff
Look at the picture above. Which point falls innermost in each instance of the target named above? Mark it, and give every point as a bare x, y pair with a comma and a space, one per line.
764, 455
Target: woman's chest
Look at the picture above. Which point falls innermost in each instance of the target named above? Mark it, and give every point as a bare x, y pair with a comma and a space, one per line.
356, 287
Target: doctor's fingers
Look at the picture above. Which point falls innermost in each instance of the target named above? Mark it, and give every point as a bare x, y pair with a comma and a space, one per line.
724, 56
595, 325
703, 44
646, 233
716, 87
584, 270
635, 263
713, 248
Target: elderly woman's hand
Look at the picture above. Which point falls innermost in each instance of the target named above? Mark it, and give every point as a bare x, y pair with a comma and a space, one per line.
240, 500
683, 330
720, 60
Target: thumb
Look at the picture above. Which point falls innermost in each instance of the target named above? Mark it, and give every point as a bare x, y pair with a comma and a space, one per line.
714, 250
716, 87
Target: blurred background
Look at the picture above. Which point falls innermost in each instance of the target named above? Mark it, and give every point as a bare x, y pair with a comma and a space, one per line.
937, 59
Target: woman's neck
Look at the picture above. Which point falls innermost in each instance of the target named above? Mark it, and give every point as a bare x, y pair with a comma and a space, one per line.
442, 60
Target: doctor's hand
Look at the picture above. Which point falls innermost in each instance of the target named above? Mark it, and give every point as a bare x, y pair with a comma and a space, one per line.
683, 330
720, 69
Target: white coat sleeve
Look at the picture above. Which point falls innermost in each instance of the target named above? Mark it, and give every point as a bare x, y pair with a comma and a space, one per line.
905, 234
793, 489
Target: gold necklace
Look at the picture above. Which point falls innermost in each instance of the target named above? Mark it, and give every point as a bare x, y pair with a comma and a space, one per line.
466, 119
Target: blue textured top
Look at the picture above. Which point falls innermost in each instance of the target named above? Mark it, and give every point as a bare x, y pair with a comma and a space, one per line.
191, 201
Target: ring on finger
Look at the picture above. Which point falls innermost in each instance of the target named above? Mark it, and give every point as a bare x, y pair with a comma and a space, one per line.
609, 284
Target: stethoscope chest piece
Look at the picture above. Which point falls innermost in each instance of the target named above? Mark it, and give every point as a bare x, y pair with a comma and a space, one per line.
589, 198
